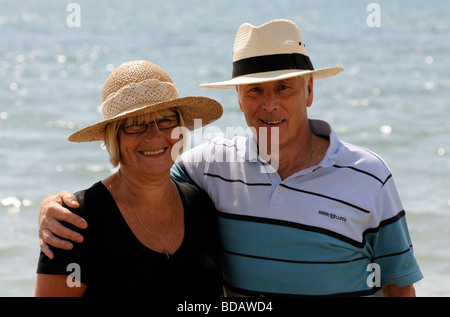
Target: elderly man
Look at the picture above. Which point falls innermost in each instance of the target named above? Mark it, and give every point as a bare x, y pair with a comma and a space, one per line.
315, 217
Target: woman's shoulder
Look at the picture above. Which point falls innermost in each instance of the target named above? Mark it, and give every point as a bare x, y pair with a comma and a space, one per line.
187, 188
190, 191
91, 197
193, 196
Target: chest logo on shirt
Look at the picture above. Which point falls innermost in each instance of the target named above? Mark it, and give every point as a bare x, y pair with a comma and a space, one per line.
332, 215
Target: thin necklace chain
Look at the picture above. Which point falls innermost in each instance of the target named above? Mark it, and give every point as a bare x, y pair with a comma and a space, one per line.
147, 229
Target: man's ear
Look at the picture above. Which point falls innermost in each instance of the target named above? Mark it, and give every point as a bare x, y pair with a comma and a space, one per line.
310, 98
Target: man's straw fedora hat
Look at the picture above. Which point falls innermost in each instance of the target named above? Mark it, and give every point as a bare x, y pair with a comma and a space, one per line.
140, 87
272, 51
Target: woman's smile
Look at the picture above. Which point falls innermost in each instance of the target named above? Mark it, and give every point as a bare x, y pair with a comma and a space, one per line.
153, 152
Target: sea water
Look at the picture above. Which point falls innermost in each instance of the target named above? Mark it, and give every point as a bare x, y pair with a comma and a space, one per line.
392, 98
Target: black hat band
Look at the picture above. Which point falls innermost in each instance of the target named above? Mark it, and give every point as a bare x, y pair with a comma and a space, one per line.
268, 63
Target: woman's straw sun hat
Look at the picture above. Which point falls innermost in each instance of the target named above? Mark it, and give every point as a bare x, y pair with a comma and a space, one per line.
140, 87
272, 51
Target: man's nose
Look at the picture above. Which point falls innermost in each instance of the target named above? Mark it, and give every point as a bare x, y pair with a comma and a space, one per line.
271, 101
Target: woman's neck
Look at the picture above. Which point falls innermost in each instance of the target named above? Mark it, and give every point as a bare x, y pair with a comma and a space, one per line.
136, 187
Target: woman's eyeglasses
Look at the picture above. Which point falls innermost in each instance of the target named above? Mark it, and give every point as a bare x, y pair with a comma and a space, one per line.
161, 124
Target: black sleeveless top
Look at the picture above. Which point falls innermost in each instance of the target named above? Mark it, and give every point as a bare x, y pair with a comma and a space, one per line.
113, 261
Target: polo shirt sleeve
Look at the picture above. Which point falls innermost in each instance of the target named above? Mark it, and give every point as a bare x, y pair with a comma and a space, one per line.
390, 242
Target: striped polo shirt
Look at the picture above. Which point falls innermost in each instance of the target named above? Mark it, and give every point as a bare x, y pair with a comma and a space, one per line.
337, 228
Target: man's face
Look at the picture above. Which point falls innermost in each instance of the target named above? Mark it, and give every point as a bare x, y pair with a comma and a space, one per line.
277, 104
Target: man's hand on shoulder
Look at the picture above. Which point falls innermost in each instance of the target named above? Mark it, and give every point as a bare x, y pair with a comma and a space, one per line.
52, 210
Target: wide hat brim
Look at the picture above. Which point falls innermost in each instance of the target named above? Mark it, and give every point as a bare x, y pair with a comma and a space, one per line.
263, 77
195, 107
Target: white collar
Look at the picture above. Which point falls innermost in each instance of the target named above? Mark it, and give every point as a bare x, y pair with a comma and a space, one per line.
318, 127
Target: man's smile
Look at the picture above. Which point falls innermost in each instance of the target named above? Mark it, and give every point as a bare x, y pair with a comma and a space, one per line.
272, 122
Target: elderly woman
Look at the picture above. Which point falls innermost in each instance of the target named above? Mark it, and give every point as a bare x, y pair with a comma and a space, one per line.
147, 234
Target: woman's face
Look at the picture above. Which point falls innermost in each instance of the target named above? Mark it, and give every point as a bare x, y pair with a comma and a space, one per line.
146, 145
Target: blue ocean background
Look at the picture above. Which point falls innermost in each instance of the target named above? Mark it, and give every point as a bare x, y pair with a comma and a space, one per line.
393, 98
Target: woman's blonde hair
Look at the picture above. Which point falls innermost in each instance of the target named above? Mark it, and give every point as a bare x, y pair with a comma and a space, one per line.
112, 131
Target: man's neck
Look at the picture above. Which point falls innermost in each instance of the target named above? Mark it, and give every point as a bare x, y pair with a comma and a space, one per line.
292, 159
